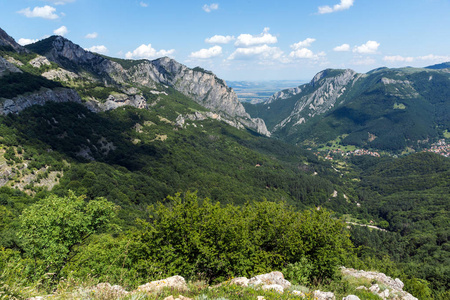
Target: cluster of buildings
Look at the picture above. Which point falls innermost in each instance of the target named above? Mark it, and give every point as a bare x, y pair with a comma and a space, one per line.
357, 152
441, 147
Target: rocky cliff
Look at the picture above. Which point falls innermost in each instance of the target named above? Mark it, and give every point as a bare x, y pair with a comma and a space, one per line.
8, 42
21, 102
6, 67
200, 85
316, 97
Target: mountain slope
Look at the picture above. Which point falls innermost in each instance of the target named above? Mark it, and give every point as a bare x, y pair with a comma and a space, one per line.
200, 85
386, 109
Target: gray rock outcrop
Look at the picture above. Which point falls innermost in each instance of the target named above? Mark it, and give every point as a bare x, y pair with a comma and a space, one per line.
319, 295
318, 96
201, 86
351, 297
116, 101
270, 279
175, 282
8, 41
41, 97
6, 67
395, 286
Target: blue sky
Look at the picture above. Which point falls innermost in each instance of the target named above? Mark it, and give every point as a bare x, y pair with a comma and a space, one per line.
246, 39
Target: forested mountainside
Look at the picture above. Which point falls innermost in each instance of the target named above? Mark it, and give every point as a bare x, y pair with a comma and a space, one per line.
385, 109
158, 181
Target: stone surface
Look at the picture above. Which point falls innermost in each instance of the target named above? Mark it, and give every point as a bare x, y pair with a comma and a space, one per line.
274, 287
6, 67
317, 97
319, 295
6, 40
299, 293
39, 61
41, 97
202, 86
241, 281
351, 297
270, 278
116, 101
175, 282
395, 286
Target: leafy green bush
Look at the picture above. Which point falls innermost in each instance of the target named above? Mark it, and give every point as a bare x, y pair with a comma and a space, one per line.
298, 272
191, 237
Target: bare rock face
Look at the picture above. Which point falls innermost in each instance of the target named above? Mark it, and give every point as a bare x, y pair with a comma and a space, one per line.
39, 62
284, 94
7, 41
175, 282
21, 102
395, 285
116, 101
318, 97
351, 297
200, 85
319, 295
240, 281
6, 67
269, 279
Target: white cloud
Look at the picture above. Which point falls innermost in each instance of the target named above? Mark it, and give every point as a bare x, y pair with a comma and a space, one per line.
98, 49
303, 44
147, 51
398, 58
211, 7
364, 61
46, 12
248, 40
61, 31
368, 48
220, 39
343, 5
143, 4
24, 42
305, 53
342, 48
263, 52
93, 35
61, 2
408, 59
207, 53
432, 57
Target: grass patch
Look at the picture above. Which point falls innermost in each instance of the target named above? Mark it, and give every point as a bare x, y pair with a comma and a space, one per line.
399, 106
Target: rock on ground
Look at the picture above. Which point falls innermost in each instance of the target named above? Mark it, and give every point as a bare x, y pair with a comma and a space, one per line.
270, 278
319, 295
175, 282
351, 297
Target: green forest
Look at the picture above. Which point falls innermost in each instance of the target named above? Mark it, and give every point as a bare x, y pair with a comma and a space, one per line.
222, 202
128, 195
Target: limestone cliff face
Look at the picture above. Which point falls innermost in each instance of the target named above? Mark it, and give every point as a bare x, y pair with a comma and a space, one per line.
6, 67
73, 58
21, 102
7, 41
318, 96
284, 94
202, 86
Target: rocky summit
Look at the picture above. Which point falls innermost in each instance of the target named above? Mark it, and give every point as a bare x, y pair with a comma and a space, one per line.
202, 86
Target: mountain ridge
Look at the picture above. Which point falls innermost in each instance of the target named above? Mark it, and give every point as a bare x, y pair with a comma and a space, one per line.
82, 70
362, 109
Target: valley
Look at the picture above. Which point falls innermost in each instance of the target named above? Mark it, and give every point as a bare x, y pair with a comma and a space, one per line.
128, 171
